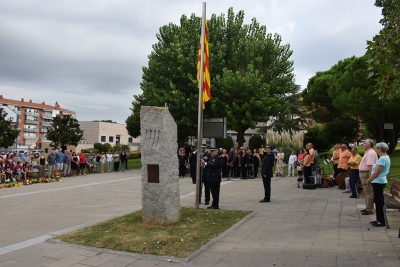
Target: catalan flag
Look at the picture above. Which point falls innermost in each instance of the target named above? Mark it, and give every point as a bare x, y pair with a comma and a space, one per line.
206, 68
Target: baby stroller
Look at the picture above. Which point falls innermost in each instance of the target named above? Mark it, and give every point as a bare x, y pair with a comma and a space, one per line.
250, 171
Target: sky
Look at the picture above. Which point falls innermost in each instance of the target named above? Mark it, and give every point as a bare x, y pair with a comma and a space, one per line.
88, 55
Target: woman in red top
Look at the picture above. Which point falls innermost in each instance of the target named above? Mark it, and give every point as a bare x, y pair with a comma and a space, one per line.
82, 162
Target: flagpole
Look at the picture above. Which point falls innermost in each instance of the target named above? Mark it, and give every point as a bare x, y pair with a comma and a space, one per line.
200, 108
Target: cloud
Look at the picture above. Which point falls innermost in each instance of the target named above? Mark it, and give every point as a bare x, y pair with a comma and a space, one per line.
88, 55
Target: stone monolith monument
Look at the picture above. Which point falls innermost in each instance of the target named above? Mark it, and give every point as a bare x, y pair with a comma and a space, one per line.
160, 181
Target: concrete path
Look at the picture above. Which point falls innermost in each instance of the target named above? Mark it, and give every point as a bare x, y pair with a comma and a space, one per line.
298, 227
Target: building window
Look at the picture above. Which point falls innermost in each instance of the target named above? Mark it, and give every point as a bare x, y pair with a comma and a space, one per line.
102, 138
111, 139
130, 139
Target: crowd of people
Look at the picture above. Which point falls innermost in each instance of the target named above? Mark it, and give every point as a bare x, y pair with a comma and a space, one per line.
368, 170
20, 167
243, 164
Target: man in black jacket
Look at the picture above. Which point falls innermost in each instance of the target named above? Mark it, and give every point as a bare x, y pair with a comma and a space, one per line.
244, 161
204, 174
214, 165
267, 173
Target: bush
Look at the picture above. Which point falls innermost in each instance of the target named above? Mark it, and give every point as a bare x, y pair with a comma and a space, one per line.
98, 147
106, 147
94, 150
135, 155
225, 143
256, 141
125, 147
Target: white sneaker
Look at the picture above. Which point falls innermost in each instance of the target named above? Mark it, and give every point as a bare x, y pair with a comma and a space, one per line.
7, 181
79, 174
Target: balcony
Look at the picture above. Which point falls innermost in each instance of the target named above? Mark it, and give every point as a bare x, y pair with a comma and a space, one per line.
30, 137
34, 114
31, 121
47, 116
43, 130
33, 130
46, 123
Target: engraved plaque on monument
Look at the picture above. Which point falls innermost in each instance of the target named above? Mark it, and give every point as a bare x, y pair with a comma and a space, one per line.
160, 181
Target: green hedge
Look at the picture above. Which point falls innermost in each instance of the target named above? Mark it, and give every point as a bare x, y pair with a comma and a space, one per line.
135, 155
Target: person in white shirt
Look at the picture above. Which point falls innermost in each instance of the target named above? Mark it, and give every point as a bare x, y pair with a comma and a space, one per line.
292, 163
109, 160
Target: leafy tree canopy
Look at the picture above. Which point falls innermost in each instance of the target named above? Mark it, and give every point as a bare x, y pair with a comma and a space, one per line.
384, 50
349, 95
251, 74
8, 130
64, 131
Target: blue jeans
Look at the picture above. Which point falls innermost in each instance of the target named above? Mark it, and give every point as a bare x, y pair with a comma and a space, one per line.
59, 166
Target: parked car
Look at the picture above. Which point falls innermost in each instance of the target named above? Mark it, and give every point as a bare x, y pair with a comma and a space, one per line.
361, 143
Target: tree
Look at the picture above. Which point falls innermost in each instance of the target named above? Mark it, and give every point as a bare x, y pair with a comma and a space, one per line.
8, 130
251, 74
349, 94
226, 143
339, 124
64, 131
384, 50
315, 135
256, 141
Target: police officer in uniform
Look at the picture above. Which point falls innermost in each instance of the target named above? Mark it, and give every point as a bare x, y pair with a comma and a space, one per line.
267, 173
214, 165
204, 173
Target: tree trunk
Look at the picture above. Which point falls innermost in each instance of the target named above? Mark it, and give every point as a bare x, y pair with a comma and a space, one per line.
240, 138
392, 140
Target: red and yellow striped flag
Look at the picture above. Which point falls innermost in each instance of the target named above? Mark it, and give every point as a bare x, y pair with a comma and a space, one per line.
206, 68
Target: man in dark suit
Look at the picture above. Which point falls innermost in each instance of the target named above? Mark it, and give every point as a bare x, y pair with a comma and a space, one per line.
244, 161
214, 165
267, 173
204, 174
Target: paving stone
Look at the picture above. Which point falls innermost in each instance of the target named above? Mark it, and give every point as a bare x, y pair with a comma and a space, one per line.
99, 259
222, 247
67, 261
208, 258
239, 255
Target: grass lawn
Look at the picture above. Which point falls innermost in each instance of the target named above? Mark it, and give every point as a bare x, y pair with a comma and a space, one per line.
127, 233
134, 163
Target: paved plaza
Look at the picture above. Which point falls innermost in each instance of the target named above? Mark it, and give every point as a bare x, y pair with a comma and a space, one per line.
298, 227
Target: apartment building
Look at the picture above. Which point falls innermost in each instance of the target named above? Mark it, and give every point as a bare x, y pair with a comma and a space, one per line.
108, 132
33, 119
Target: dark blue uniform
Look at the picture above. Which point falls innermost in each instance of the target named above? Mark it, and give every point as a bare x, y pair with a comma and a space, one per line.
214, 165
205, 156
267, 173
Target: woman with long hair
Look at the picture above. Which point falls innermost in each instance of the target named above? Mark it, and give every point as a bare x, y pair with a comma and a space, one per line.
279, 163
74, 163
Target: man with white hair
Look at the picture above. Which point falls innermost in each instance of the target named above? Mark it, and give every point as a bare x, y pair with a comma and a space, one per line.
365, 169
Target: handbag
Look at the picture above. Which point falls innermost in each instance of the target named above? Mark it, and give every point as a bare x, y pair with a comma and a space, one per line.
299, 168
